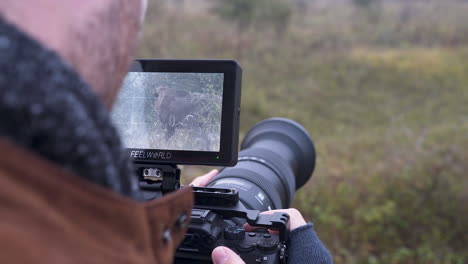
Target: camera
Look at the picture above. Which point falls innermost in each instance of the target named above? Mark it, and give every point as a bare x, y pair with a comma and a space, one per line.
173, 112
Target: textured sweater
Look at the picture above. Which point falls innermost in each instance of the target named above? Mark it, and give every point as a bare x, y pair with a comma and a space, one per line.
47, 108
306, 247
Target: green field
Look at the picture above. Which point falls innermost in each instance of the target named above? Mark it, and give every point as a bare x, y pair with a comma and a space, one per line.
383, 90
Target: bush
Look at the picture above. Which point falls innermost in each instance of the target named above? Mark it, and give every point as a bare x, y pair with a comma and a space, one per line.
385, 102
264, 13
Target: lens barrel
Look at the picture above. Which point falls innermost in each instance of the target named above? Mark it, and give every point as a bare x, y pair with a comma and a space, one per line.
277, 157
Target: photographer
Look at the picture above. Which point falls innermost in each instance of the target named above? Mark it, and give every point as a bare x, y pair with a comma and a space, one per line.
65, 182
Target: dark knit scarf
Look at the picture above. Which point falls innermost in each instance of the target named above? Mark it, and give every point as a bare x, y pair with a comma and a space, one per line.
46, 108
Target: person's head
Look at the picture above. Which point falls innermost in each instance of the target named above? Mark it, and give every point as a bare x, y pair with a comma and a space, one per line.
96, 37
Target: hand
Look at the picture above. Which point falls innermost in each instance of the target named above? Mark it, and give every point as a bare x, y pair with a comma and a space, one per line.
203, 180
220, 255
223, 255
295, 218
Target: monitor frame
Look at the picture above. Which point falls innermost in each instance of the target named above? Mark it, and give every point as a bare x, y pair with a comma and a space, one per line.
230, 114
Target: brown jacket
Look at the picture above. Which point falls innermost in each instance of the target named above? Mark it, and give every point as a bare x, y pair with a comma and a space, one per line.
48, 215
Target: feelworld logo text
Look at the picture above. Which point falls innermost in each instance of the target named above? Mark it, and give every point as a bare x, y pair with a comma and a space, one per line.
140, 154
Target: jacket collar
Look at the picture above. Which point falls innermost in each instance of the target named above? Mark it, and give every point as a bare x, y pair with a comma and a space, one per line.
47, 108
51, 197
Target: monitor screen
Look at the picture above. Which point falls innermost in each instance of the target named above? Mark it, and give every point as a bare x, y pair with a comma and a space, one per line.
170, 110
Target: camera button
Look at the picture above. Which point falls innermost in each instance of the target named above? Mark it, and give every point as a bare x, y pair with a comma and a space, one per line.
266, 235
267, 244
166, 237
252, 234
234, 233
245, 248
180, 223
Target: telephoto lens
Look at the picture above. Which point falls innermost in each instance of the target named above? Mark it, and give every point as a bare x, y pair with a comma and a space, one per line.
277, 157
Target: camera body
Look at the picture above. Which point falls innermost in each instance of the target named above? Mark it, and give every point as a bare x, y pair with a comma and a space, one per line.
209, 229
172, 112
217, 220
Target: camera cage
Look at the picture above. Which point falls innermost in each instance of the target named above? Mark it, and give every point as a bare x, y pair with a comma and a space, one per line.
158, 180
159, 174
227, 154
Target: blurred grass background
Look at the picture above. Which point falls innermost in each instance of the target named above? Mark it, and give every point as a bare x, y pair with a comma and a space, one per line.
381, 85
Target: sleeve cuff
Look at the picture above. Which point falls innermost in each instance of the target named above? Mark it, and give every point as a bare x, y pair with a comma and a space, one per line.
306, 247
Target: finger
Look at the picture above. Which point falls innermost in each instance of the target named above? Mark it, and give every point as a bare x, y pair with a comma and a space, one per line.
203, 180
295, 219
223, 255
249, 228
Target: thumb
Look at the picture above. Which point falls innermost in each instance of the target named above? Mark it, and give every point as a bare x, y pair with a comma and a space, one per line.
223, 255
